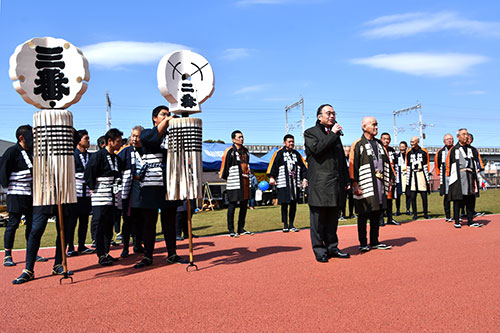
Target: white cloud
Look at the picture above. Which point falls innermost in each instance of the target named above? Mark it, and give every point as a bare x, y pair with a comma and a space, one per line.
424, 64
234, 54
251, 89
119, 53
409, 24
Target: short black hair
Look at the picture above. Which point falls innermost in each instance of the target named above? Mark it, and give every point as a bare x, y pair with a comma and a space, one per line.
101, 141
157, 110
25, 131
112, 134
471, 137
320, 108
404, 142
233, 135
288, 136
385, 133
82, 133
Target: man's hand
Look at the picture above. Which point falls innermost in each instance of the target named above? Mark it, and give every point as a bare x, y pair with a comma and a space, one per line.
162, 127
337, 128
356, 189
272, 181
304, 183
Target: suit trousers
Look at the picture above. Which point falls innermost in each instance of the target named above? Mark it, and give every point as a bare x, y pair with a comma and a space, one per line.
324, 222
374, 218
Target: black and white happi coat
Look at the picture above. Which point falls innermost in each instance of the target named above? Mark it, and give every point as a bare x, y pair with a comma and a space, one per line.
461, 167
362, 166
393, 158
440, 167
289, 169
152, 194
16, 175
103, 178
417, 164
134, 164
232, 172
81, 161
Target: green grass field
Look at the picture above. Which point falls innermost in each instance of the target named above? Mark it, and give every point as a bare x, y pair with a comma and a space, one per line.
268, 218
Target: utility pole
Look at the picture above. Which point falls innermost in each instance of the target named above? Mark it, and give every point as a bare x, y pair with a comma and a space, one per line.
420, 122
289, 107
108, 111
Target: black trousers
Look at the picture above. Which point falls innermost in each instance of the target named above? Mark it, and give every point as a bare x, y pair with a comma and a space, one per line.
118, 220
287, 217
104, 219
324, 222
181, 224
468, 202
398, 202
132, 225
413, 199
374, 218
37, 230
84, 207
388, 212
14, 221
241, 217
167, 220
447, 206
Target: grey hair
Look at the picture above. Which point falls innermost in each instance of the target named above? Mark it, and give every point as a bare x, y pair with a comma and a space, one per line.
461, 129
138, 128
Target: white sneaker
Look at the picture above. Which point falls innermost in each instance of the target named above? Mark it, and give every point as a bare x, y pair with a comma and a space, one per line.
381, 246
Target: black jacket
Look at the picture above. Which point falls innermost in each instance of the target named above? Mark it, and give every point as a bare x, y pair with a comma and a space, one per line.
327, 168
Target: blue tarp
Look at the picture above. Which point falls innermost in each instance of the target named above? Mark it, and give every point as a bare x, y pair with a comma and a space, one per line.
212, 157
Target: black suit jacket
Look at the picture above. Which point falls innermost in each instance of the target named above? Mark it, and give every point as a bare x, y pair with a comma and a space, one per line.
327, 168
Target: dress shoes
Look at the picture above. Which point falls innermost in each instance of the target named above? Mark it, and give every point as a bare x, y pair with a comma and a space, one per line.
338, 254
322, 259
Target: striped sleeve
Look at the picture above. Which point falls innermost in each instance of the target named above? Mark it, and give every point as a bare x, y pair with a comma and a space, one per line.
271, 164
351, 160
223, 173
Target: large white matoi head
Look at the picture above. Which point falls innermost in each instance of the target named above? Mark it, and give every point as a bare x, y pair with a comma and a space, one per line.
49, 73
186, 80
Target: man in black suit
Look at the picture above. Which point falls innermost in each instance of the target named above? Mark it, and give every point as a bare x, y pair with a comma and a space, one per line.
328, 179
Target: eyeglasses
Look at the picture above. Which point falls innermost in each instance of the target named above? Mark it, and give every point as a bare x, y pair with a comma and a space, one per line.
328, 114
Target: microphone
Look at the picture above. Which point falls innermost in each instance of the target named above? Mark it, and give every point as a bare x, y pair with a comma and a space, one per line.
339, 132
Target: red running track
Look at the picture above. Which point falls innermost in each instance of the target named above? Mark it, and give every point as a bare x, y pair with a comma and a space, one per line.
435, 278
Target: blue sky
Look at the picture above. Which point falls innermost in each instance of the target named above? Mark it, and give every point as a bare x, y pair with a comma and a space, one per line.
363, 57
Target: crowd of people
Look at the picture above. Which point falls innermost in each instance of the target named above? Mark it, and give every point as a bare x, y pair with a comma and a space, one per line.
367, 177
128, 182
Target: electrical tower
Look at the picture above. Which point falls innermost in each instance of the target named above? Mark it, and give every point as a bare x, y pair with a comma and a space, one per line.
294, 105
421, 125
108, 111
